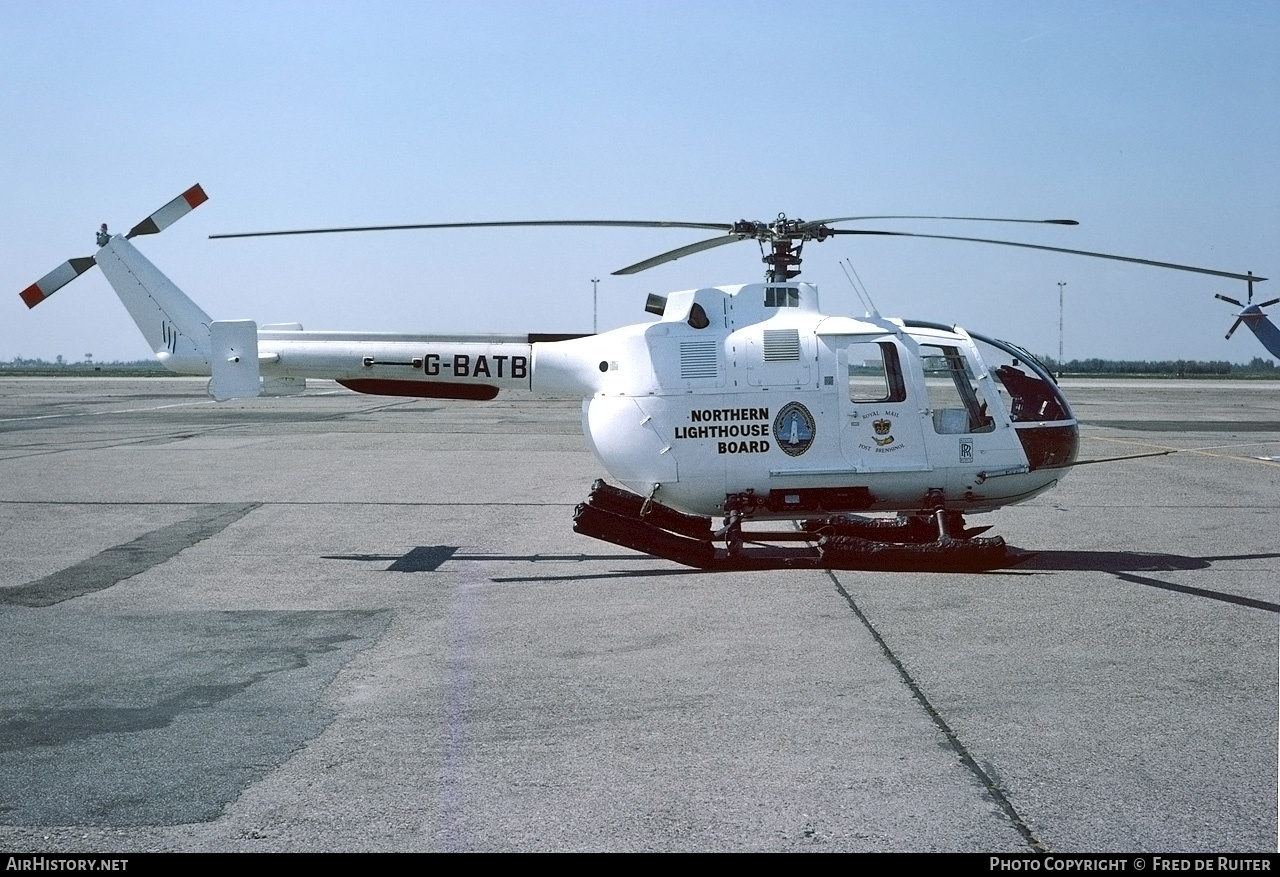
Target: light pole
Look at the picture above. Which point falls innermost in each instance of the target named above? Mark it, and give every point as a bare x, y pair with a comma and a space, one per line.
595, 310
1062, 285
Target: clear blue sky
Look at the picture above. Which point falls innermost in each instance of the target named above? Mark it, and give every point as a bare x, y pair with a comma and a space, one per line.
1155, 124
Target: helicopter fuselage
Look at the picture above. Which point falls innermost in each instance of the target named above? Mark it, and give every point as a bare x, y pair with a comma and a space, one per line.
743, 400
735, 394
752, 390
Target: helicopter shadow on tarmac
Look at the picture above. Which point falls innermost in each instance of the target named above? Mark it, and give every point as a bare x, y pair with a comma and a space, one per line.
429, 558
1122, 564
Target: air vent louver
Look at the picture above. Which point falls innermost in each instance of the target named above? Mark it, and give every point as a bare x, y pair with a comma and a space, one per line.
697, 359
781, 345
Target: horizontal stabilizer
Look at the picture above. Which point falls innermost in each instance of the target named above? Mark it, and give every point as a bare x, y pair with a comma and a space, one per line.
170, 213
55, 280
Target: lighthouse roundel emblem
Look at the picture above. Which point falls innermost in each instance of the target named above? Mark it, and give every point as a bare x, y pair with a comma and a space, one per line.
794, 429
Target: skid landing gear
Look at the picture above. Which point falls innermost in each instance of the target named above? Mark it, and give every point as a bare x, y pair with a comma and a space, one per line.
930, 541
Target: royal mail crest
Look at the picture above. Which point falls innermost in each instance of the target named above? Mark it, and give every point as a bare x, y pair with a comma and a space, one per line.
794, 429
882, 427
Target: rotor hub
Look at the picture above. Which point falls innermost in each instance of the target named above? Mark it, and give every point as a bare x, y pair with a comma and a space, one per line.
786, 238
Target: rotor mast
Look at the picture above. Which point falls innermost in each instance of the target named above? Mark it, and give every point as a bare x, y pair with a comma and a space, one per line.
786, 239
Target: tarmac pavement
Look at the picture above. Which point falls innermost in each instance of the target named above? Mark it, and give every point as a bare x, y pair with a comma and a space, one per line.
343, 622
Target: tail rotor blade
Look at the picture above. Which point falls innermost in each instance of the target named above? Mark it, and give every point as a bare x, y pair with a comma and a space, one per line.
170, 213
1229, 300
1234, 326
55, 280
1267, 304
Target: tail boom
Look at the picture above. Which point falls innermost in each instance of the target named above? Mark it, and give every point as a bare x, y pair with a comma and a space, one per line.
244, 360
1263, 328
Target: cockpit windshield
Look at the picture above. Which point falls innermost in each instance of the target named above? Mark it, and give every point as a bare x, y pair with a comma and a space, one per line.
1025, 387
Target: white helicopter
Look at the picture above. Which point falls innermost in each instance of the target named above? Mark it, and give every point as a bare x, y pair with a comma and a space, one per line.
742, 402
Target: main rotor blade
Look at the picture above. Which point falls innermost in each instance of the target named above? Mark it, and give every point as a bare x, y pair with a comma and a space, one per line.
1229, 300
959, 218
560, 223
943, 237
689, 250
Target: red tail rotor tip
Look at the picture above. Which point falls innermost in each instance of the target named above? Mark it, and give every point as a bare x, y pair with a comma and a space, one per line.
32, 295
195, 196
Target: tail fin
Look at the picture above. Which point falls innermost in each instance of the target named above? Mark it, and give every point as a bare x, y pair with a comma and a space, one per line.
175, 326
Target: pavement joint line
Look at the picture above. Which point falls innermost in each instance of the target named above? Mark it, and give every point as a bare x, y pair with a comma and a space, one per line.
110, 444
1205, 447
100, 413
1236, 445
185, 434
368, 410
425, 504
1202, 447
1147, 505
462, 638
952, 738
268, 504
1185, 450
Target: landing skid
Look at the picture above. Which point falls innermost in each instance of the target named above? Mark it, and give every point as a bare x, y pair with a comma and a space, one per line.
935, 542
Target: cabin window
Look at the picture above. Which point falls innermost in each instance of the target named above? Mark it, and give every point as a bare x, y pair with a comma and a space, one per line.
1025, 388
781, 297
955, 398
875, 373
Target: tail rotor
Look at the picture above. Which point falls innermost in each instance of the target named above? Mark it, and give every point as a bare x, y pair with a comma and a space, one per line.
176, 329
1249, 312
1255, 318
153, 224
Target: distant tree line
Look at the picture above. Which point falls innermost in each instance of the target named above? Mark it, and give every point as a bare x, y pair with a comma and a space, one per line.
1257, 367
25, 365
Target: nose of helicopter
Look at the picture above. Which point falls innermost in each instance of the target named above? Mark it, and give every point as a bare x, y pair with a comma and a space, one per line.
1050, 446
